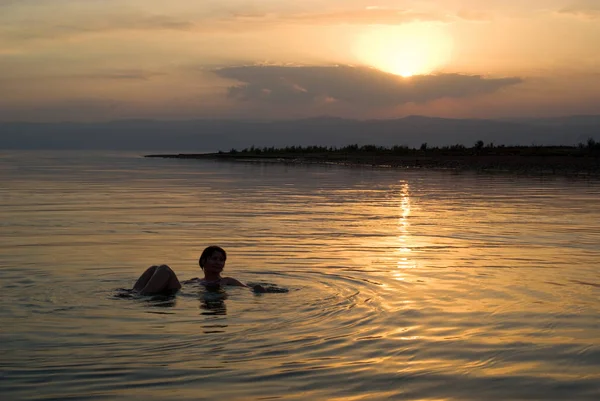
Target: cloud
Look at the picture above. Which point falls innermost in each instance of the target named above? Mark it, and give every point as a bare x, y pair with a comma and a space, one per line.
75, 22
7, 51
46, 29
582, 10
352, 85
6, 3
137, 75
474, 16
365, 16
234, 22
109, 75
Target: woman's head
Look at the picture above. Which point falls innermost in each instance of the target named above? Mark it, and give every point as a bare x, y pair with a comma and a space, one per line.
209, 252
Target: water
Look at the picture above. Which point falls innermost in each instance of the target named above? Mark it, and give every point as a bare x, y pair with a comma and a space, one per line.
408, 285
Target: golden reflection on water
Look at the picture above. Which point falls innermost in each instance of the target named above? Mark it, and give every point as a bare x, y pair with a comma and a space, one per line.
405, 246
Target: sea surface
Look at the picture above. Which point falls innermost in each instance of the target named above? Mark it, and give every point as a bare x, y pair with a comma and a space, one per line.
401, 284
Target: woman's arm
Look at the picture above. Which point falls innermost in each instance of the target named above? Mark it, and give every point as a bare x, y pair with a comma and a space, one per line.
192, 280
232, 281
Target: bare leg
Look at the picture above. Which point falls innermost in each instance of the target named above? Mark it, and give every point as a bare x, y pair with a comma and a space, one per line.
157, 279
173, 283
144, 278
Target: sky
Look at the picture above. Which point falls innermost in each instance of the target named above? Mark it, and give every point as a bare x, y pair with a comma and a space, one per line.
102, 60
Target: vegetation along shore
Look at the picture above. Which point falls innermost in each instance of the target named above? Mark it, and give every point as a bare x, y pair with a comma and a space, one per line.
583, 159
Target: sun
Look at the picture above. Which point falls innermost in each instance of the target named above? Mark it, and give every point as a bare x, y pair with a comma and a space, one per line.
406, 50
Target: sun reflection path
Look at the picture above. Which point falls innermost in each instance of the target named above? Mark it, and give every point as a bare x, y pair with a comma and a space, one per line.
404, 247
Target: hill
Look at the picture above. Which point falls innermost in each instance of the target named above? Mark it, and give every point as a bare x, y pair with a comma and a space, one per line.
213, 135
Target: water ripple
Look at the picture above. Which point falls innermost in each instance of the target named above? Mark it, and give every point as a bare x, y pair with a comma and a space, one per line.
400, 284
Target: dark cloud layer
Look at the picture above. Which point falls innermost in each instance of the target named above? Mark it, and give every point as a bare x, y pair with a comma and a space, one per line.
354, 85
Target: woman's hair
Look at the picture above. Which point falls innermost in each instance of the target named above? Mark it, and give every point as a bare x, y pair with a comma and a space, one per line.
208, 252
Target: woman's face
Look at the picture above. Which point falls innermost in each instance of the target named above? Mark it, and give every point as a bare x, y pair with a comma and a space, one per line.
215, 263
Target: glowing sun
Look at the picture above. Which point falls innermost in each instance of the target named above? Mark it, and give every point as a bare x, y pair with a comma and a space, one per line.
406, 50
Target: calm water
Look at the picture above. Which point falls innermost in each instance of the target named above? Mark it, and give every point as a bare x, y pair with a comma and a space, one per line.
408, 285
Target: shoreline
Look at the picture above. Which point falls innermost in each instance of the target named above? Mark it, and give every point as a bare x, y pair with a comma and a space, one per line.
575, 162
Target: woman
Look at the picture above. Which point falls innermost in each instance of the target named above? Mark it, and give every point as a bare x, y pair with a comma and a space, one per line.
160, 279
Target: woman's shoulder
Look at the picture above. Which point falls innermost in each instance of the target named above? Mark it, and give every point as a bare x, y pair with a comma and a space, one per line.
232, 281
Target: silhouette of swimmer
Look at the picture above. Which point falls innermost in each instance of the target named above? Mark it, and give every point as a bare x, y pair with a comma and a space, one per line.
162, 279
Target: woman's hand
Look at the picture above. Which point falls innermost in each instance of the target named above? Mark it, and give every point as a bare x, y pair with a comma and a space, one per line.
259, 289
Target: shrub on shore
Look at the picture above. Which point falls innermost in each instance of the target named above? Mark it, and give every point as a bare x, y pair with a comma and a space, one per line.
478, 148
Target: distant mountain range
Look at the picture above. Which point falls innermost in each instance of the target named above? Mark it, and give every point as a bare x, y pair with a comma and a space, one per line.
213, 135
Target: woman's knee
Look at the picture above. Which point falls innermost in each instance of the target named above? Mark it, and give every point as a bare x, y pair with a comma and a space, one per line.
165, 268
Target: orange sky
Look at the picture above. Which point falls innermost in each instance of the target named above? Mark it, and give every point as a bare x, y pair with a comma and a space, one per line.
104, 60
